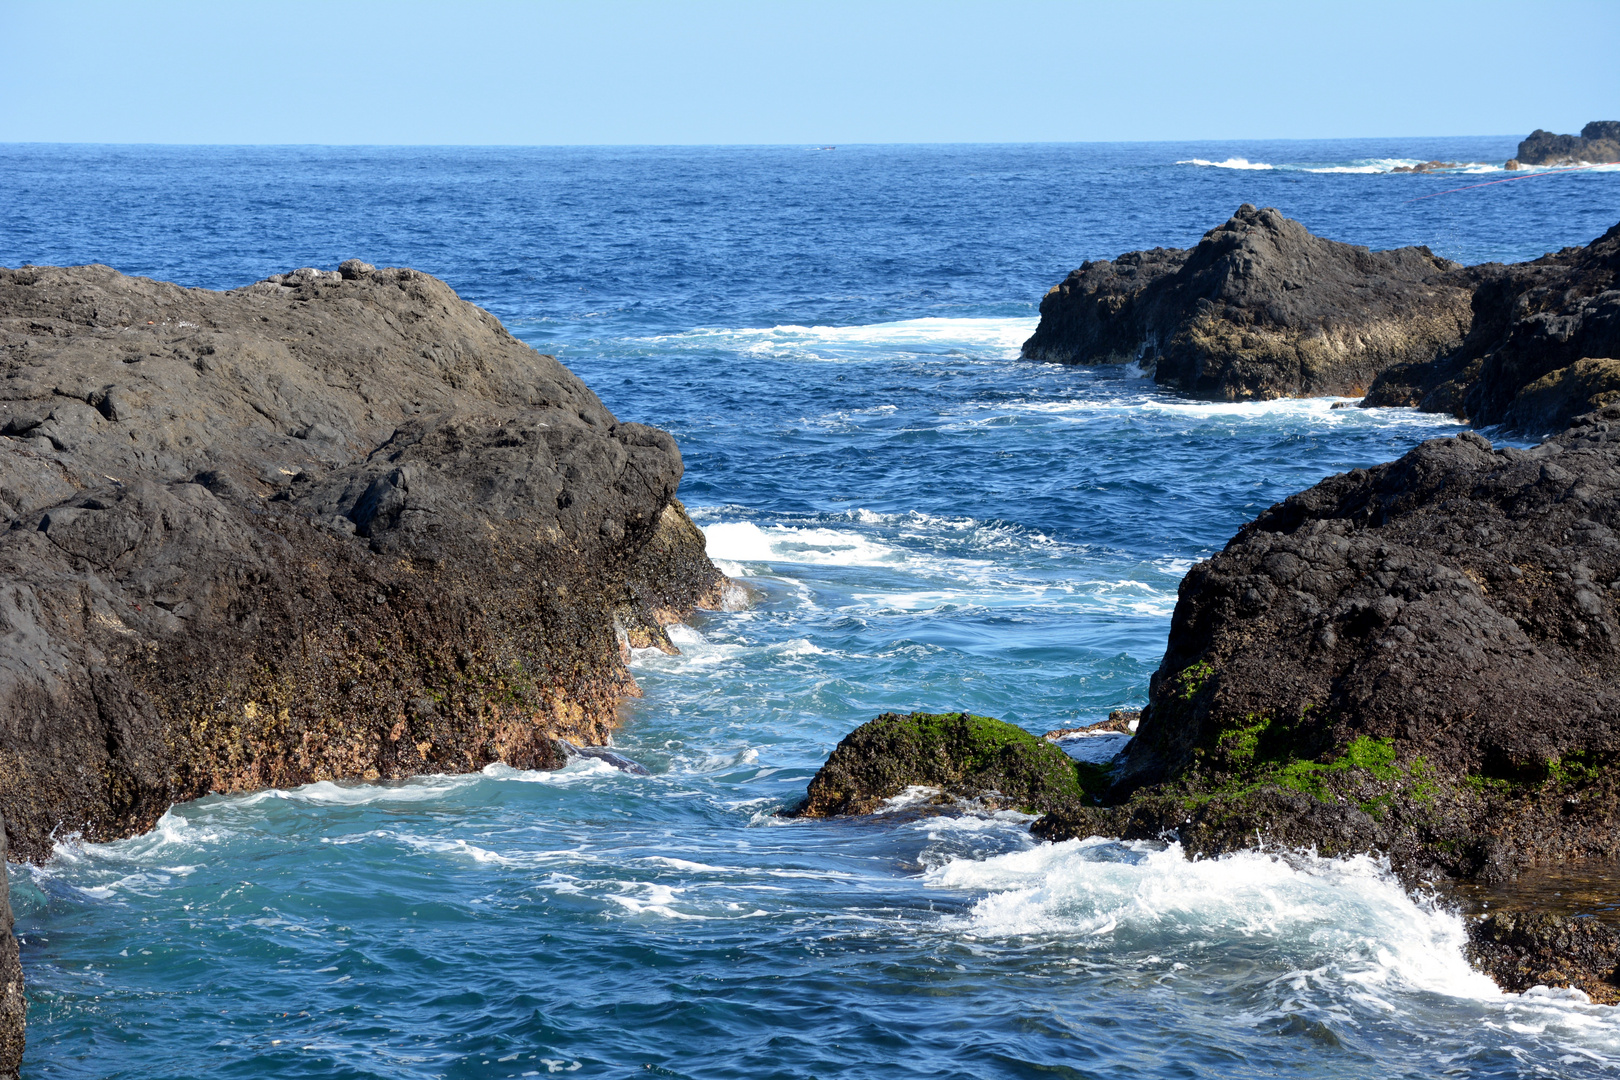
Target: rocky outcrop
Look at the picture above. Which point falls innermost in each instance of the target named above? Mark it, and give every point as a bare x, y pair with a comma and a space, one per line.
1260, 308
1598, 143
1541, 347
950, 757
328, 525
1426, 650
1420, 659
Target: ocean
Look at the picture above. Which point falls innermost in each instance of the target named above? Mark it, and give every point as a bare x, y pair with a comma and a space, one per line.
924, 521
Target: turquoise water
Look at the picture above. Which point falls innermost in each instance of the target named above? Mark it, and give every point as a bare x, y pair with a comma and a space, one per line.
922, 520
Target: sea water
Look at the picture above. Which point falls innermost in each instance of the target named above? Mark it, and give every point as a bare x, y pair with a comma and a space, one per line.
923, 521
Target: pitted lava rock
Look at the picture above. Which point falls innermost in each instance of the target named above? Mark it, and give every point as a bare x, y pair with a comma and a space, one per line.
13, 1006
1522, 949
1543, 346
1456, 606
327, 525
1260, 308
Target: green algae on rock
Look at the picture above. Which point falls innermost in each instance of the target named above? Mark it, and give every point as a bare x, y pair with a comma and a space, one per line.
961, 755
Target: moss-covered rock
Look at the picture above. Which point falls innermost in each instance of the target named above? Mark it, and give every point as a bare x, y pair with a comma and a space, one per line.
964, 756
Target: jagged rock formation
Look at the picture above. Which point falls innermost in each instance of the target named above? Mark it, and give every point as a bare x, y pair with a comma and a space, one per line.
329, 525
1542, 346
1598, 143
1261, 308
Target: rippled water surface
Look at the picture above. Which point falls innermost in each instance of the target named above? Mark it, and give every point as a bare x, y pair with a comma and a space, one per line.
925, 521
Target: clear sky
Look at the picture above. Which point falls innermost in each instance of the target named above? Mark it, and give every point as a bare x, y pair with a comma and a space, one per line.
621, 71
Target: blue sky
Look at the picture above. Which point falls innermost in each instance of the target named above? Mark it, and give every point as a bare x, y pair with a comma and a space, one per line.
346, 71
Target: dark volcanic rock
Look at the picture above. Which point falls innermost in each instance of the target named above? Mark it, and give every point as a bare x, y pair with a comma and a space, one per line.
1420, 659
1427, 649
1261, 308
1521, 949
961, 755
328, 525
1541, 349
1598, 143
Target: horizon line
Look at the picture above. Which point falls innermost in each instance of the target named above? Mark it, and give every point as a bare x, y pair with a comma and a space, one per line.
807, 145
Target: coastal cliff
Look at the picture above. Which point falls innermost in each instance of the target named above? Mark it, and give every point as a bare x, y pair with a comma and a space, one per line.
330, 525
1260, 308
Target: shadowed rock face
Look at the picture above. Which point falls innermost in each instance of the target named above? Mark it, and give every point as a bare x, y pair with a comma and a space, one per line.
1261, 308
1542, 347
1598, 142
1428, 649
322, 526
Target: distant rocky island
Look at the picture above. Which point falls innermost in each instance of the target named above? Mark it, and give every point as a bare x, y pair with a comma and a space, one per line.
1597, 144
332, 525
1262, 308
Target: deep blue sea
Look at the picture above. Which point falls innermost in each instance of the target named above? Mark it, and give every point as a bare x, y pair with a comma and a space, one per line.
925, 521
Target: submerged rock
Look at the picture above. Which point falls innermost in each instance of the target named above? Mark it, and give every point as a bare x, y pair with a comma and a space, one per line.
330, 525
1261, 308
1542, 348
1598, 143
959, 755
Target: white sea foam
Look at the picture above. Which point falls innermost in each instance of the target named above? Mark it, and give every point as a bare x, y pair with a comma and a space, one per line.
988, 338
1229, 163
1349, 916
743, 541
1289, 410
326, 793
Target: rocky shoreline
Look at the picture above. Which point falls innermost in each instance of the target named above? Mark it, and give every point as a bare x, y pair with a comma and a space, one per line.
1416, 660
332, 525
1261, 308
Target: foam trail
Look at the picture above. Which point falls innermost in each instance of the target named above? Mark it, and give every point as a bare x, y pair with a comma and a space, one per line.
1229, 163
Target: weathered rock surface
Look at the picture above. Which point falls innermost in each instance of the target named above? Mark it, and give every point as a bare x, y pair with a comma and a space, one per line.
1261, 308
959, 755
1541, 348
1427, 649
1522, 949
1598, 143
328, 525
